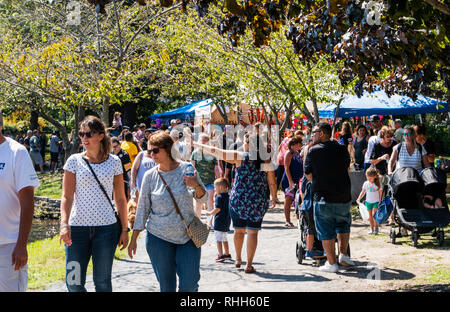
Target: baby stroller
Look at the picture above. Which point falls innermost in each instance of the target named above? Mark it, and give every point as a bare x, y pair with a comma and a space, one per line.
406, 188
300, 249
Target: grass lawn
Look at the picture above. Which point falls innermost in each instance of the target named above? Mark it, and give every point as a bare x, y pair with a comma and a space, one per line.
51, 185
46, 262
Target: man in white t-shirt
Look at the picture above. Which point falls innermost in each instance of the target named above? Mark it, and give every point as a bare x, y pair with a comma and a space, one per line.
17, 182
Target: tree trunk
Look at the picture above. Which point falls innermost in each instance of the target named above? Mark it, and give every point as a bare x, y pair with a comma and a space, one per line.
105, 111
129, 113
79, 116
34, 124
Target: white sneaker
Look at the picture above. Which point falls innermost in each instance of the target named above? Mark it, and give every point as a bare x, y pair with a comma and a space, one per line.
330, 268
345, 260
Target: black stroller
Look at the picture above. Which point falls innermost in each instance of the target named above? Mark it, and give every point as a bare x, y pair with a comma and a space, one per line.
300, 249
407, 188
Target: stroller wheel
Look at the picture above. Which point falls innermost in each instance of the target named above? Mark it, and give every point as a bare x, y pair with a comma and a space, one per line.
392, 236
300, 252
440, 237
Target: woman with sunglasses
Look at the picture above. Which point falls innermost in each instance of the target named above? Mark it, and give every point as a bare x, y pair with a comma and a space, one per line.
89, 228
411, 154
382, 152
249, 195
169, 247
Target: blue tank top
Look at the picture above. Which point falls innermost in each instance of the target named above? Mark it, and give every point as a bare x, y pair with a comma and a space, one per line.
296, 169
147, 163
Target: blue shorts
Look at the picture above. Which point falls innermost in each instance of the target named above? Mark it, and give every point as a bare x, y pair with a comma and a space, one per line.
209, 187
239, 223
331, 219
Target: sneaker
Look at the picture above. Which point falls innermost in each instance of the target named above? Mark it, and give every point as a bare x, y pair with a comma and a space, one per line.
329, 268
219, 259
313, 253
375, 232
371, 232
345, 260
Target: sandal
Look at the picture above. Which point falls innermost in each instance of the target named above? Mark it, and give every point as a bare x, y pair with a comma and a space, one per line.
237, 263
289, 224
250, 270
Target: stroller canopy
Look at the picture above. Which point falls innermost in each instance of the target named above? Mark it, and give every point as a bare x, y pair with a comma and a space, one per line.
407, 179
433, 180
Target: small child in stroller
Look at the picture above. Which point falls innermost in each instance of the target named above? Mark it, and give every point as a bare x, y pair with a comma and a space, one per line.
431, 202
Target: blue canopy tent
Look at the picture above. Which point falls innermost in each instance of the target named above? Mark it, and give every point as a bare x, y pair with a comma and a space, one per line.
378, 103
184, 112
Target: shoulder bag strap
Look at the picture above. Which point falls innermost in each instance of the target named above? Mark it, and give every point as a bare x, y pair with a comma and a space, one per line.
173, 198
99, 184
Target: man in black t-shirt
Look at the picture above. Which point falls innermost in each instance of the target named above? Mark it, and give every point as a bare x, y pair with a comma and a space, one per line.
326, 165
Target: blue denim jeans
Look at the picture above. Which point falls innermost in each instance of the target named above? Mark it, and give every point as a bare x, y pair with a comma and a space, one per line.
98, 242
331, 219
169, 260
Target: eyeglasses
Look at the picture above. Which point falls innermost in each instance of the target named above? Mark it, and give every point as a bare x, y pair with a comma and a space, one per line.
87, 134
153, 150
407, 134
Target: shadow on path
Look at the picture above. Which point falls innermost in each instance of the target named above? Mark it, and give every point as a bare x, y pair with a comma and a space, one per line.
274, 277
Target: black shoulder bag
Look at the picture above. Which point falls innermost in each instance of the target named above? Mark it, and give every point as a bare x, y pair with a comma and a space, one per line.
119, 223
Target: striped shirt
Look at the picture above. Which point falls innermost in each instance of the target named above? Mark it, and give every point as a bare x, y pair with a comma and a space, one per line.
406, 160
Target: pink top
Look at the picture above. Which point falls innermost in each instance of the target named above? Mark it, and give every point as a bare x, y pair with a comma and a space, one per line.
283, 148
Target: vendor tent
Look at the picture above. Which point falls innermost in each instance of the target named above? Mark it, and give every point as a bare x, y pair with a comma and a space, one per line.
378, 103
184, 112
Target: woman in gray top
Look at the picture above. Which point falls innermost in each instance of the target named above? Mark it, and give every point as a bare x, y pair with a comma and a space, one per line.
170, 249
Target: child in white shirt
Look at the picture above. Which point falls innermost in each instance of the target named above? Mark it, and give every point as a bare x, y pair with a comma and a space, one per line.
372, 189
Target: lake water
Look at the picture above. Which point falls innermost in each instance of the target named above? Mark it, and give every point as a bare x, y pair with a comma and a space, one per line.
42, 229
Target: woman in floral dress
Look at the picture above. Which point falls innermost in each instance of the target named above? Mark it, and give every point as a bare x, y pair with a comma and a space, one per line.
249, 196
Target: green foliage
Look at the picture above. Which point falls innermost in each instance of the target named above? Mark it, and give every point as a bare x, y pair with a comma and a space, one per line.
439, 133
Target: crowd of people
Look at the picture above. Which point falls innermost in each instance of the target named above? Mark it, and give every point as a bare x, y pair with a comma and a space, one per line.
146, 165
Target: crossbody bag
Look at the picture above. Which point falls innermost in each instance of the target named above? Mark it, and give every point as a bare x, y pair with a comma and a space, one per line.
196, 230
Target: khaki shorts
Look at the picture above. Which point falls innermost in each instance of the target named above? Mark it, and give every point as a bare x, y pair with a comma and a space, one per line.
36, 157
10, 280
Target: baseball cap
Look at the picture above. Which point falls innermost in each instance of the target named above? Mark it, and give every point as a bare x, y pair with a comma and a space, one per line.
398, 120
142, 125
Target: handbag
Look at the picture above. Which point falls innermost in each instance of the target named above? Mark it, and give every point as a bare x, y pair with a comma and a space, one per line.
385, 209
196, 230
119, 223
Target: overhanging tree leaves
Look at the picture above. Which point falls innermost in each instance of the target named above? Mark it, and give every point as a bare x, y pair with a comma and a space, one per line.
408, 51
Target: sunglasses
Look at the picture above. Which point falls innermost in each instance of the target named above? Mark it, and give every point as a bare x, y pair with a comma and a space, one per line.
153, 150
407, 134
87, 134
116, 146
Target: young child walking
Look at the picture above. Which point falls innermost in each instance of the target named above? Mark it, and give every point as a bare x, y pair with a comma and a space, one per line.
372, 189
222, 219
